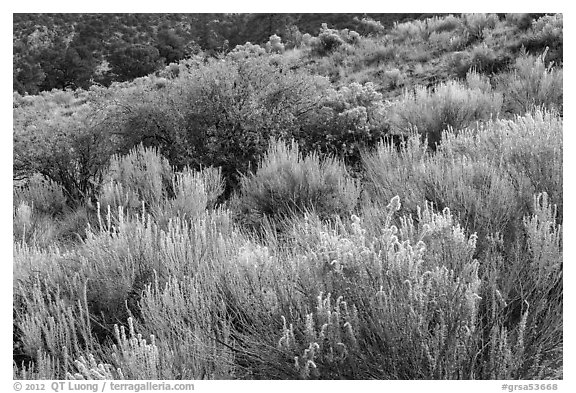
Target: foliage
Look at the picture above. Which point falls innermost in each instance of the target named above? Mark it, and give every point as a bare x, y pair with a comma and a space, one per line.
246, 51
451, 104
476, 24
533, 84
407, 31
45, 197
520, 21
371, 27
546, 34
194, 192
486, 175
275, 44
348, 120
68, 144
529, 149
287, 184
480, 58
448, 23
329, 40
134, 61
141, 176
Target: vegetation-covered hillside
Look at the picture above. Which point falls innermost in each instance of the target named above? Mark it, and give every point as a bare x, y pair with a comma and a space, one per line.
356, 199
78, 50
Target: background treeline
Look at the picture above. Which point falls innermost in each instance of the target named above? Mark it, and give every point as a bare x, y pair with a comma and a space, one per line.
78, 50
364, 203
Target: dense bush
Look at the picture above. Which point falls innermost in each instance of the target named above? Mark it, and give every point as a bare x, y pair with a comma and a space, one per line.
246, 51
520, 21
347, 120
480, 58
68, 145
476, 24
451, 104
444, 24
327, 41
415, 304
44, 196
134, 61
194, 192
287, 184
140, 177
409, 31
547, 32
529, 148
275, 44
487, 175
371, 27
533, 84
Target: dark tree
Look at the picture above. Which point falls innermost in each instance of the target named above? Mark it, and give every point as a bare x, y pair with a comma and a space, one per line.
134, 61
170, 45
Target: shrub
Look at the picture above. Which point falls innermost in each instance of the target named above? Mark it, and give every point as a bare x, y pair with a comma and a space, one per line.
395, 170
395, 78
443, 24
487, 176
375, 54
523, 295
528, 149
44, 196
246, 51
190, 327
486, 60
475, 24
533, 84
275, 44
481, 58
350, 36
370, 27
521, 21
480, 194
70, 146
89, 369
51, 328
135, 357
477, 81
293, 37
546, 34
73, 226
326, 42
348, 120
408, 31
194, 192
287, 184
134, 61
447, 41
30, 227
386, 300
451, 104
110, 271
139, 177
